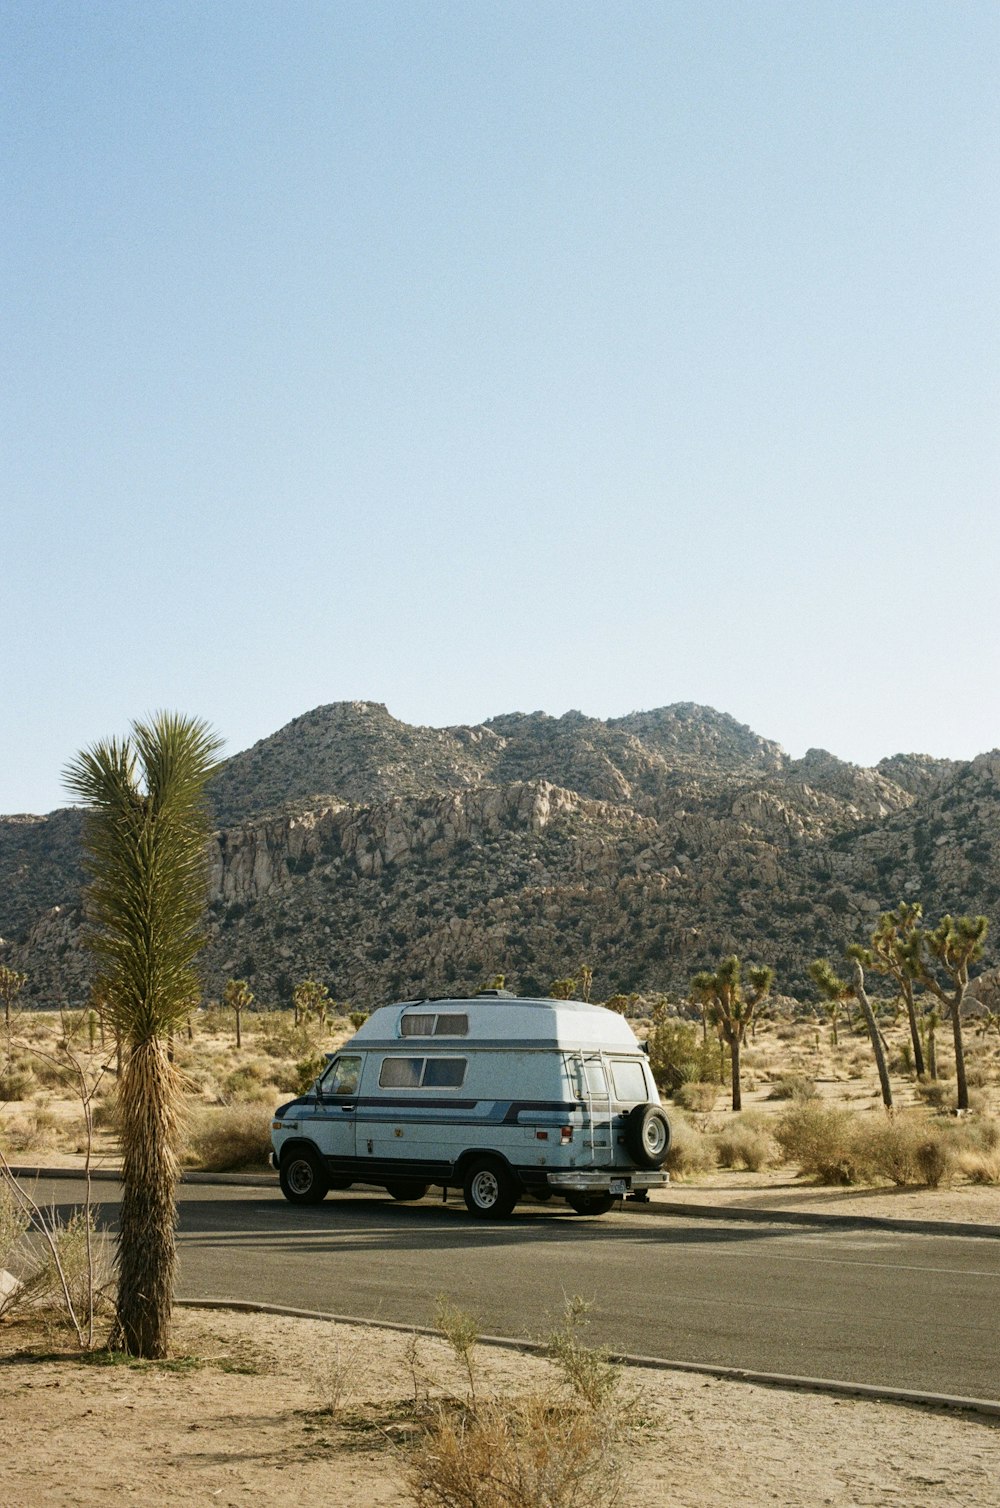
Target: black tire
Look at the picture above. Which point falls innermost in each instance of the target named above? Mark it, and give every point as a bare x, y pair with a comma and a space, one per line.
490, 1189
647, 1135
406, 1191
302, 1177
591, 1204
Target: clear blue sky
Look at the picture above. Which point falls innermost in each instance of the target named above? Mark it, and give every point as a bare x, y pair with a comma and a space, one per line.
475, 357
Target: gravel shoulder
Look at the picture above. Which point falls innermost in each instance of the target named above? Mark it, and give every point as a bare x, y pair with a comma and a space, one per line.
281, 1406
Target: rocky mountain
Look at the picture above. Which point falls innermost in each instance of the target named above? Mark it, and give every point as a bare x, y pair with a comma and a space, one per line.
392, 860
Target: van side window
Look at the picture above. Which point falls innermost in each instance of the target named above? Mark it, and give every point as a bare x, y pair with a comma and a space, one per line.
401, 1073
444, 1024
456, 1025
342, 1076
422, 1073
444, 1073
629, 1081
417, 1026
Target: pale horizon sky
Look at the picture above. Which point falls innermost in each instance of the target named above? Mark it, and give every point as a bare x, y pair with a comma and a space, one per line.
475, 357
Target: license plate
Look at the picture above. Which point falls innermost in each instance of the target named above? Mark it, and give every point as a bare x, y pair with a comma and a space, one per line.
618, 1186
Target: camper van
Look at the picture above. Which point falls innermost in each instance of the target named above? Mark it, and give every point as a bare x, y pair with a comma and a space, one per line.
497, 1096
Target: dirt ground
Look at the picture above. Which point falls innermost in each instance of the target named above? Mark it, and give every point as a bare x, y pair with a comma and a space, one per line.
281, 1407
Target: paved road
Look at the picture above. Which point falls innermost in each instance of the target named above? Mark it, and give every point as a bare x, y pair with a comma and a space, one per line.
897, 1310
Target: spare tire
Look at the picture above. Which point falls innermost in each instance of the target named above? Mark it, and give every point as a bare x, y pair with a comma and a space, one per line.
647, 1135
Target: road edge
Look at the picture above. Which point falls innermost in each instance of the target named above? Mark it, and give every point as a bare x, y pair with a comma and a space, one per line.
870, 1392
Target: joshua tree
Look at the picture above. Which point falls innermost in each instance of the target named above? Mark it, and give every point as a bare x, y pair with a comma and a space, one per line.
947, 951
890, 945
308, 997
11, 985
145, 852
832, 987
729, 1009
238, 995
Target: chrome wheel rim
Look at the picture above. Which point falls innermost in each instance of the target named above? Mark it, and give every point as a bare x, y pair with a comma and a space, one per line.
485, 1189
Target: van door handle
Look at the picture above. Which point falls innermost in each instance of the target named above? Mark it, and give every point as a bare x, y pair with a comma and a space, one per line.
348, 1107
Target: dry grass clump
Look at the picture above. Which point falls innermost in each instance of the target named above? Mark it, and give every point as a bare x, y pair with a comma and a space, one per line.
557, 1448
32, 1130
17, 1079
690, 1150
248, 1083
697, 1096
746, 1142
229, 1138
792, 1086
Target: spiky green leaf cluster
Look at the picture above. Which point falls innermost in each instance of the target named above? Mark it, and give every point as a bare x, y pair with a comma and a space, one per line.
145, 853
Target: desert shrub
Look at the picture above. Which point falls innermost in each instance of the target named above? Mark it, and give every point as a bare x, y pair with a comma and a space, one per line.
228, 1138
696, 1096
279, 1037
17, 1081
32, 1130
935, 1161
308, 1071
104, 1115
792, 1086
977, 1076
14, 1222
817, 1138
934, 1092
888, 1149
747, 1145
247, 1083
51, 1074
690, 1151
678, 1055
525, 1452
979, 1167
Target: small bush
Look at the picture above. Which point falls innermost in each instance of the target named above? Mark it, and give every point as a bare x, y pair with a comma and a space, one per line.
934, 1092
678, 1055
229, 1138
308, 1071
17, 1081
979, 1167
817, 1138
690, 1151
934, 1161
697, 1096
745, 1146
793, 1086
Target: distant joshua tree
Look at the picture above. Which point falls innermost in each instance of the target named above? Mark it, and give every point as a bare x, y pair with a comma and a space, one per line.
311, 998
832, 988
238, 995
11, 985
731, 1010
939, 961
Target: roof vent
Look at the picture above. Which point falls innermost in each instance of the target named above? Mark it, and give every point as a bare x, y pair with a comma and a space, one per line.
495, 995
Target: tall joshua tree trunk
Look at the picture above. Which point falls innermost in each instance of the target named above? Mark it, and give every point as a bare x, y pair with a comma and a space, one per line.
148, 1099
858, 986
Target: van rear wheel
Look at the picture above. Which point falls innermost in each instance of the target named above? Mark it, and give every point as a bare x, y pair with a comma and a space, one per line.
591, 1204
302, 1177
490, 1190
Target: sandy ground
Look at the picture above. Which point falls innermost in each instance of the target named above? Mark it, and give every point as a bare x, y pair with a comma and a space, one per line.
281, 1407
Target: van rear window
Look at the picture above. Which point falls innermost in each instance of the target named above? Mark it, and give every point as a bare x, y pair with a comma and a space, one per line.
422, 1073
629, 1081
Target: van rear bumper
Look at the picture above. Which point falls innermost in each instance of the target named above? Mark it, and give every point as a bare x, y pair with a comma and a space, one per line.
605, 1180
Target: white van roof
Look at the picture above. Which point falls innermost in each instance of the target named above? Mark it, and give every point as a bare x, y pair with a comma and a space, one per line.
502, 1021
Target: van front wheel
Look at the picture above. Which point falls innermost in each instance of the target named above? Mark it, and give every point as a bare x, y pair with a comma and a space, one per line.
303, 1178
489, 1189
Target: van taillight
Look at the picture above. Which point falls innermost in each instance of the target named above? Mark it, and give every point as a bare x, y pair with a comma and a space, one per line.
565, 1134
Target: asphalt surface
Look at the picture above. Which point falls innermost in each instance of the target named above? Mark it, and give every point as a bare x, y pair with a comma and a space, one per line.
877, 1307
